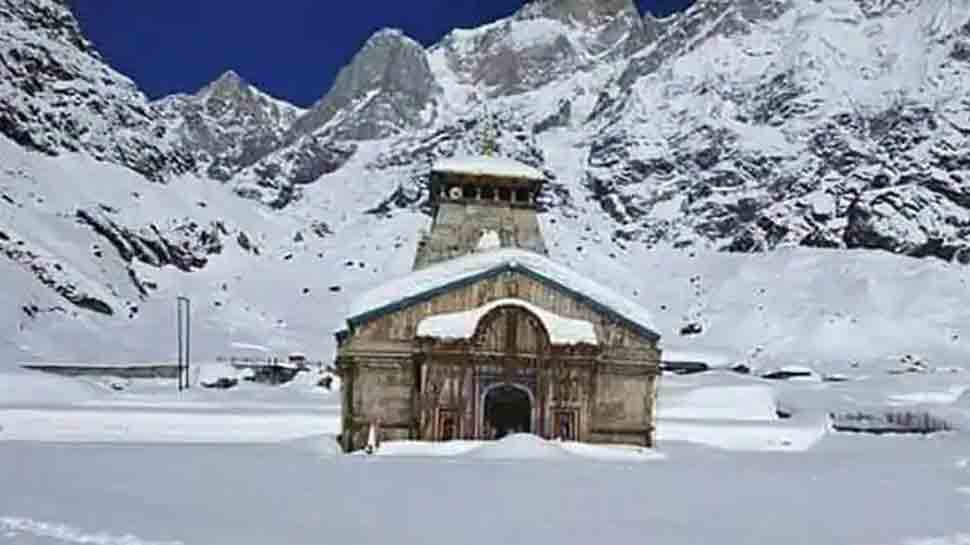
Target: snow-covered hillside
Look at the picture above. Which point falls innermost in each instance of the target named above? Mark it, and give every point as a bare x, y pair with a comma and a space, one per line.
785, 132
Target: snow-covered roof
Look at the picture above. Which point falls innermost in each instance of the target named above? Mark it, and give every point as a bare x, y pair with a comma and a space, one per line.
500, 167
462, 325
424, 284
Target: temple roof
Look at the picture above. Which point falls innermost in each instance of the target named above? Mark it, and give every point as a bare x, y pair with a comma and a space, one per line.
462, 325
498, 167
426, 283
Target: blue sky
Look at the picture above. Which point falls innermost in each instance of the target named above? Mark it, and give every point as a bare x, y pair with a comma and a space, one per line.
289, 48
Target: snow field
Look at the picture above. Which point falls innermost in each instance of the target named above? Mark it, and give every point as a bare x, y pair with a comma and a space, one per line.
845, 490
256, 464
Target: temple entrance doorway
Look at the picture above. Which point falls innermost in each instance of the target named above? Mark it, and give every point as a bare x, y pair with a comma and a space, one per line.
508, 409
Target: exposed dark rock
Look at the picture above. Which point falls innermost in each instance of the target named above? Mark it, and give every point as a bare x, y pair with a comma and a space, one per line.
561, 118
94, 304
400, 198
221, 383
684, 367
187, 246
321, 229
692, 328
243, 240
785, 374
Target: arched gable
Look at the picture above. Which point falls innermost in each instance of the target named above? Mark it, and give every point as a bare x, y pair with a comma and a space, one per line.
511, 328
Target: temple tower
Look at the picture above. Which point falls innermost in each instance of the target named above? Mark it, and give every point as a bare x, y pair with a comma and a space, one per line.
480, 203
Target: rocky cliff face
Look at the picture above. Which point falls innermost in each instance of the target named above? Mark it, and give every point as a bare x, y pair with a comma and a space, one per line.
388, 88
56, 95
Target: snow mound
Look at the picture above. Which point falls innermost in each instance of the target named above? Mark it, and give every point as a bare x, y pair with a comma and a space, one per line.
421, 449
617, 453
524, 446
520, 446
462, 325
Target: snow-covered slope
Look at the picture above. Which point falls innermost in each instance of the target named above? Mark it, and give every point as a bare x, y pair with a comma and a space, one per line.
742, 126
811, 123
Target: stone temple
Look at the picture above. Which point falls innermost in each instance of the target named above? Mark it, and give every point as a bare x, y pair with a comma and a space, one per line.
488, 336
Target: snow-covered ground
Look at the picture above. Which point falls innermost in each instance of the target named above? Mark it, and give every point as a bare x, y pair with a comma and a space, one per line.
81, 462
847, 490
41, 407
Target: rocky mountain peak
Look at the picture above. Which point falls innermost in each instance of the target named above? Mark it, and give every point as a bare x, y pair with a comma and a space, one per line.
545, 41
231, 93
387, 87
387, 35
51, 18
580, 11
229, 81
229, 124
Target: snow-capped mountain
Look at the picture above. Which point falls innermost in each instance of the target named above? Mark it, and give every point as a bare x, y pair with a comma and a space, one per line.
805, 123
387, 88
229, 124
670, 145
546, 41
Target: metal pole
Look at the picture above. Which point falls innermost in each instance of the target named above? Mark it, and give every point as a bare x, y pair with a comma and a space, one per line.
188, 343
178, 326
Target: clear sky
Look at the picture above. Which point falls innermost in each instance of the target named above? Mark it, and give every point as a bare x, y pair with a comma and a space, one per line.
289, 48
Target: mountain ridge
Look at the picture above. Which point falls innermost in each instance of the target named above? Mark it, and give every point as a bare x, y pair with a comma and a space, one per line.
734, 128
